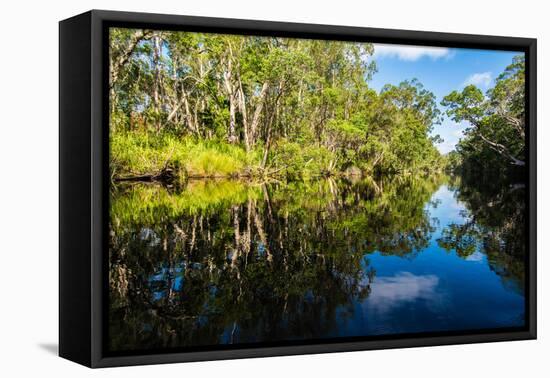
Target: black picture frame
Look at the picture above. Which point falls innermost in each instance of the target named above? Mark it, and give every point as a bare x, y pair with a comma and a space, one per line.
84, 183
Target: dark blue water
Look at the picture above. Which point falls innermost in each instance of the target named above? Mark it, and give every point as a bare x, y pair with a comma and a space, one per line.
436, 290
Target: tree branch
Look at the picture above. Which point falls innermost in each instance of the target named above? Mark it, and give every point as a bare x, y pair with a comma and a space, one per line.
501, 150
124, 57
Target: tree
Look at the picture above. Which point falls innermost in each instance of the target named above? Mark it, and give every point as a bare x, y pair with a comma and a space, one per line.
496, 120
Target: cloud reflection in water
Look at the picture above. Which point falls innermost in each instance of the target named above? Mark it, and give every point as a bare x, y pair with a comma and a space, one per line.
391, 292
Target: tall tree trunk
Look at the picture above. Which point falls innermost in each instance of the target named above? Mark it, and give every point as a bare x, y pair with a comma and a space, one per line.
189, 117
258, 112
156, 84
232, 119
232, 95
229, 87
243, 110
270, 123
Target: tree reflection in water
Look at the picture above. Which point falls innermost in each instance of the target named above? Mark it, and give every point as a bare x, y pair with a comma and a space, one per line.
495, 225
225, 262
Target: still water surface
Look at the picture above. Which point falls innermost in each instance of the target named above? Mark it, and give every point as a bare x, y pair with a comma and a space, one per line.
229, 262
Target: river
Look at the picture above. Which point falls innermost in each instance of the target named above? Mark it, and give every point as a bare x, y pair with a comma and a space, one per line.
233, 262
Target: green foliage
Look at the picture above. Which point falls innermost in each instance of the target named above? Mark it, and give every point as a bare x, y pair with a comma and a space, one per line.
222, 105
468, 105
452, 161
412, 96
495, 136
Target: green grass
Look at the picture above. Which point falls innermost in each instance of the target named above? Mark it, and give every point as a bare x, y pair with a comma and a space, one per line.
147, 153
216, 159
142, 153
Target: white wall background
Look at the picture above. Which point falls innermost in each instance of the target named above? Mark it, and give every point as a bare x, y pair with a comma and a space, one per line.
29, 189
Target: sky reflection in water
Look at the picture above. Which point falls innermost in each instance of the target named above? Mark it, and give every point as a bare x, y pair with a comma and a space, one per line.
435, 290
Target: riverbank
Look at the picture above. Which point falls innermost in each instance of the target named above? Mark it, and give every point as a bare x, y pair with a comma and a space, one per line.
166, 158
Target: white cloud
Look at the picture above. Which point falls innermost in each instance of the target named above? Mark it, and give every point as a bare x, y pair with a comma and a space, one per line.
410, 53
480, 78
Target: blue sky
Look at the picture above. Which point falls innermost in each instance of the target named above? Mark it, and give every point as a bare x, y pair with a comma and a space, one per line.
441, 71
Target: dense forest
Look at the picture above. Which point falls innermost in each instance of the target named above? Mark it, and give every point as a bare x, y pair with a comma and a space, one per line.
206, 105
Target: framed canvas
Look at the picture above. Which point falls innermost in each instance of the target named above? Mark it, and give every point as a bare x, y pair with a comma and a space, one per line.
234, 188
